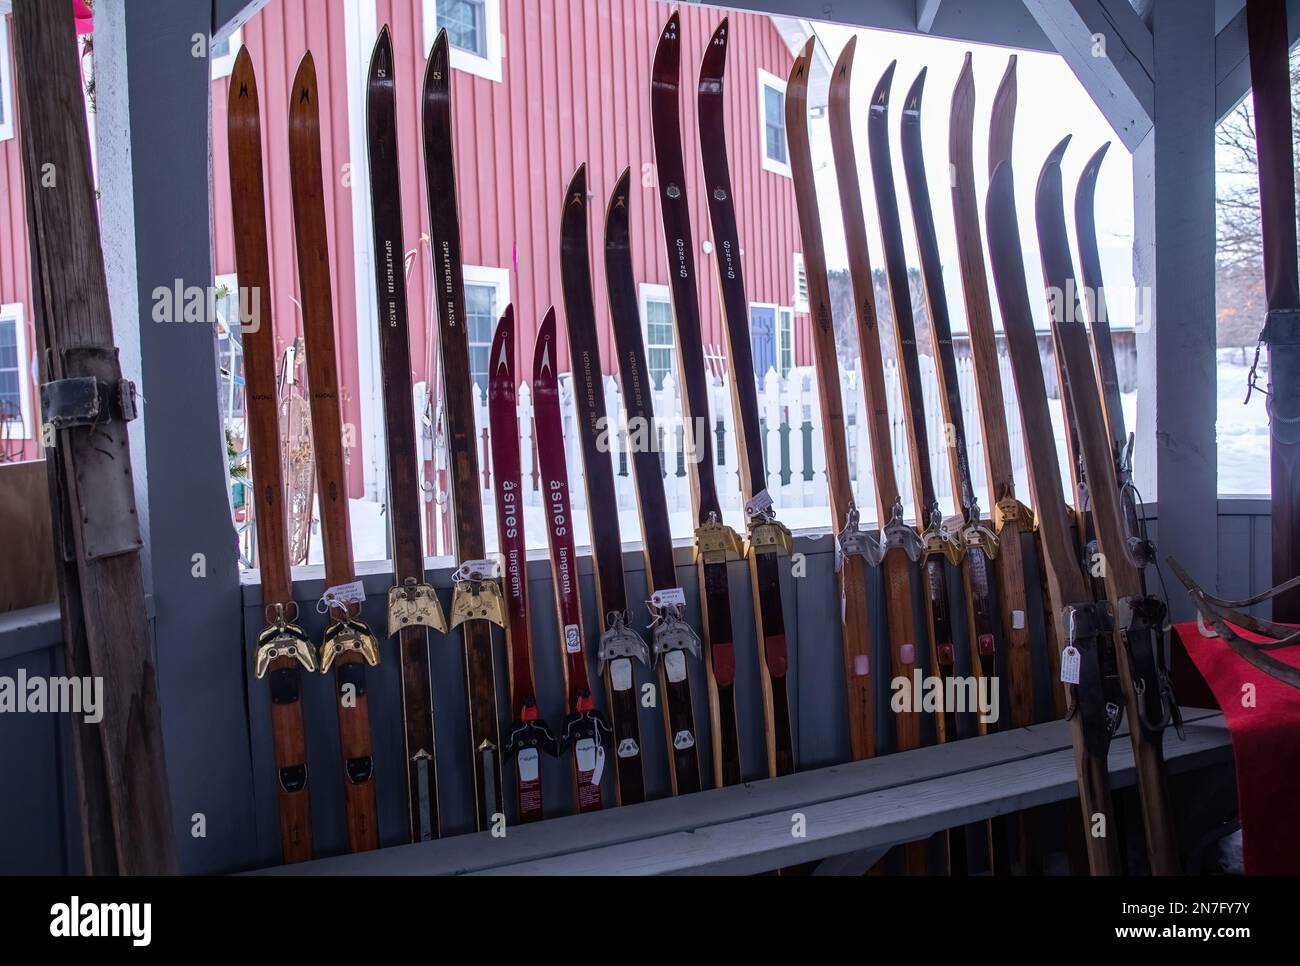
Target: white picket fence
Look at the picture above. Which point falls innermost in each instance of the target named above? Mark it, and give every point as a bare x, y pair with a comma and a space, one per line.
792, 420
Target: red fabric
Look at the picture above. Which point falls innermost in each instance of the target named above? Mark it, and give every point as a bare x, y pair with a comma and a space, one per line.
83, 16
1266, 745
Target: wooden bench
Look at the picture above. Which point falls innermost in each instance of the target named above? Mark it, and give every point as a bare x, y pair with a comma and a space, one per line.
860, 808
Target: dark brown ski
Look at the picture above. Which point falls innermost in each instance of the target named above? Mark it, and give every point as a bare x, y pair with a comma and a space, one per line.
347, 646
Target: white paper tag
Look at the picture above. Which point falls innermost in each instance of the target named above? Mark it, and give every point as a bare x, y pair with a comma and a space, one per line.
669, 597
620, 674
572, 639
758, 503
1070, 664
484, 568
628, 748
344, 594
529, 764
585, 752
675, 666
1018, 620
600, 764
683, 740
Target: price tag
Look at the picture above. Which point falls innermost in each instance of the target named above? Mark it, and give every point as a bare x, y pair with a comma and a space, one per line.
669, 597
481, 568
572, 639
341, 595
600, 764
675, 666
761, 501
620, 674
529, 764
1070, 664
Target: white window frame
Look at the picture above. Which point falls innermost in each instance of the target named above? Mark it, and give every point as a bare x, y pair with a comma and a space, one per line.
766, 80
648, 292
224, 65
498, 278
784, 339
6, 81
776, 333
14, 312
488, 66
799, 270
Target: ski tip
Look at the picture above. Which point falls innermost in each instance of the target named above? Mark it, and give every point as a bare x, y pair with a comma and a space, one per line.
1093, 167
668, 51
243, 79
714, 63
880, 97
720, 31
304, 80
503, 344
808, 48
577, 186
843, 71
1054, 156
966, 76
381, 57
544, 349
913, 99
624, 181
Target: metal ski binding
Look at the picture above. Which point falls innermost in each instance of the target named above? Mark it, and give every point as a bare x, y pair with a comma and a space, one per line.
283, 638
1008, 510
938, 540
619, 640
585, 723
476, 595
854, 540
715, 542
530, 731
414, 603
975, 535
898, 535
671, 632
767, 534
348, 634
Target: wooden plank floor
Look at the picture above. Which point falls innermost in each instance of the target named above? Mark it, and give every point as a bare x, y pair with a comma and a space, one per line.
750, 828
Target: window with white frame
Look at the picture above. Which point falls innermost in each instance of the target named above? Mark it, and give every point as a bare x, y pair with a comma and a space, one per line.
771, 108
222, 53
15, 389
800, 297
230, 350
487, 291
784, 340
6, 83
657, 326
473, 30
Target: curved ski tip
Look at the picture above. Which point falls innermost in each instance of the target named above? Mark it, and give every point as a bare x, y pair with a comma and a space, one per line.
674, 19
913, 100
844, 63
578, 183
385, 36
306, 73
1054, 156
624, 181
382, 52
508, 316
1093, 166
720, 31
808, 48
880, 96
243, 68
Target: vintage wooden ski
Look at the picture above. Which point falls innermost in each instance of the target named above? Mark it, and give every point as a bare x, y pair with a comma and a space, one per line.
939, 547
283, 649
347, 646
413, 606
715, 541
528, 736
1139, 618
585, 731
1071, 608
673, 636
768, 538
476, 598
855, 549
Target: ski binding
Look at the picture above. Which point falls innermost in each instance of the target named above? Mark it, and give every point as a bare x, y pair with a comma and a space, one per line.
897, 535
414, 604
938, 540
854, 541
283, 639
530, 731
476, 595
976, 536
671, 633
715, 542
1010, 510
767, 534
349, 634
620, 641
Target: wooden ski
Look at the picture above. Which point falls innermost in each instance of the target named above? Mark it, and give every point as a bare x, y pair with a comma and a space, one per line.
347, 646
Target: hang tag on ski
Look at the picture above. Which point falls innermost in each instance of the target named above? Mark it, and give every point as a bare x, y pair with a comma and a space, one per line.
341, 595
669, 597
478, 569
675, 666
572, 639
1070, 659
600, 764
761, 501
620, 675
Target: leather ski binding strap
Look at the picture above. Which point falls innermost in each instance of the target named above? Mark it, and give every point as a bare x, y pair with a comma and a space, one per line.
1010, 510
975, 535
1087, 627
855, 541
86, 401
619, 640
671, 632
715, 542
283, 638
897, 535
937, 540
348, 634
1141, 620
412, 604
1281, 333
530, 731
476, 595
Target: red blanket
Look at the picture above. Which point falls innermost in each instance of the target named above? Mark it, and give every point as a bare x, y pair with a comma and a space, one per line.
1263, 717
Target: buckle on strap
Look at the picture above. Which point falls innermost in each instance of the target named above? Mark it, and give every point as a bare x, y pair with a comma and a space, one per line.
87, 401
1141, 621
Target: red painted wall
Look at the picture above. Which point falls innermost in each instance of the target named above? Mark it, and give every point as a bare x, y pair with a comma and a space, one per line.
575, 87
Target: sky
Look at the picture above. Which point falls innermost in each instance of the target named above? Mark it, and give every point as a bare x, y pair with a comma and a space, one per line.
1051, 103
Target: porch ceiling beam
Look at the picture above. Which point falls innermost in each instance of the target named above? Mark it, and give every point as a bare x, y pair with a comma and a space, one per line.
229, 15
926, 11
1110, 50
1232, 59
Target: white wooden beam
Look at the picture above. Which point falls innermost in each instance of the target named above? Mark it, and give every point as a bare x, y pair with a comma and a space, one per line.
229, 15
1232, 59
1109, 49
926, 11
